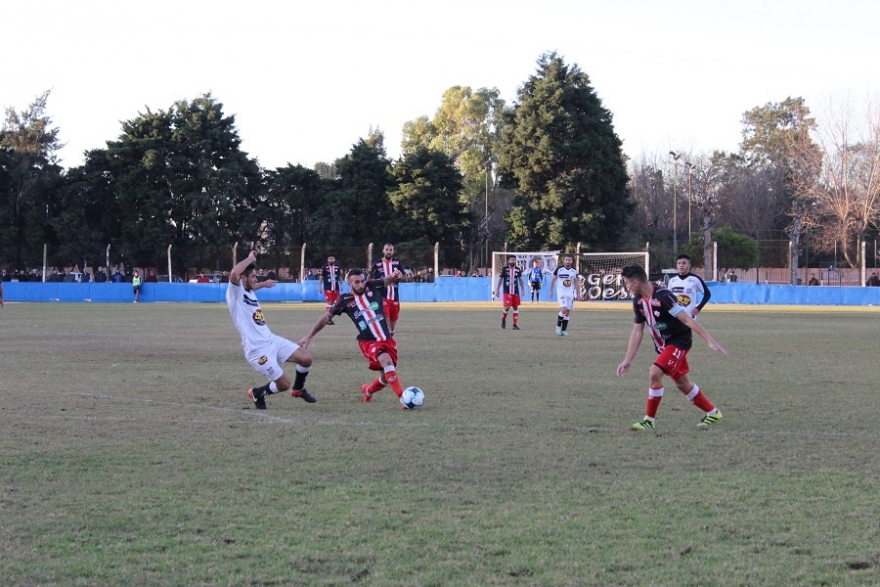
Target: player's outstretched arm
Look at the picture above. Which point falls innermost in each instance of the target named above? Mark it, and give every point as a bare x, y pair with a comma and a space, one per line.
262, 284
319, 325
698, 328
635, 340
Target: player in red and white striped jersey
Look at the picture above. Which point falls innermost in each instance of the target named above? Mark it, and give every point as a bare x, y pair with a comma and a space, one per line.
512, 280
386, 265
331, 282
364, 305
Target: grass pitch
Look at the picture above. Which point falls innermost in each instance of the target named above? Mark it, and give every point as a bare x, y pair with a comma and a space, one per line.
130, 454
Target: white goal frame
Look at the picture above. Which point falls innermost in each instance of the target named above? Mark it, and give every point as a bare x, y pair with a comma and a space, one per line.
600, 278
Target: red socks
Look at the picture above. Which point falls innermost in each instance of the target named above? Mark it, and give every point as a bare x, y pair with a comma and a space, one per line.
393, 381
698, 399
654, 397
376, 385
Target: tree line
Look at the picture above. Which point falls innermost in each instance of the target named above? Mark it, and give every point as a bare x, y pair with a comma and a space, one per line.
546, 172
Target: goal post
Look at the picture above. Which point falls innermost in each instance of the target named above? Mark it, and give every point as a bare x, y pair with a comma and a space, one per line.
600, 273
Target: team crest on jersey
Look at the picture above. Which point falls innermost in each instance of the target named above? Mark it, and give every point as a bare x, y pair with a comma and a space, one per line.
684, 299
567, 283
656, 313
262, 360
259, 319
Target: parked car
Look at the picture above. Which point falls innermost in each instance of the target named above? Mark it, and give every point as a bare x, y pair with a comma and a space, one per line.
211, 277
164, 279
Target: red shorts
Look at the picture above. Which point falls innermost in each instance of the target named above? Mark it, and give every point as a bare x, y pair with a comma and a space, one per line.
373, 348
392, 309
673, 361
330, 296
511, 300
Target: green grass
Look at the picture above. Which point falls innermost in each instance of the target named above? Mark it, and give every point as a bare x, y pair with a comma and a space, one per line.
130, 454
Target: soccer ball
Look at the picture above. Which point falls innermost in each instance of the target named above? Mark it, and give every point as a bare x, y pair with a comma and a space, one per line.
413, 398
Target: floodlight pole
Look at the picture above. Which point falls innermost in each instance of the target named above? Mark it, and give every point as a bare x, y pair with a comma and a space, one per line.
675, 158
689, 168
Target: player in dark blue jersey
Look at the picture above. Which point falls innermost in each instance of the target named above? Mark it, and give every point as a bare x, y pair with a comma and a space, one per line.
671, 329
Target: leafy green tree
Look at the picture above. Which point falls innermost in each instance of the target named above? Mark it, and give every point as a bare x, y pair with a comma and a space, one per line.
294, 195
777, 140
560, 149
735, 249
29, 179
427, 200
185, 182
467, 128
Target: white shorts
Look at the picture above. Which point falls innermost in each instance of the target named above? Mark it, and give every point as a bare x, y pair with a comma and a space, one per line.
267, 360
566, 301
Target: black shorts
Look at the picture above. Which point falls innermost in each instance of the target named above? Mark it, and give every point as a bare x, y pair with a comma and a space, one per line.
536, 285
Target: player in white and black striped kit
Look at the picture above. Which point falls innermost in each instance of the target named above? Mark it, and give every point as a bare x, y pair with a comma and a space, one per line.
686, 286
567, 292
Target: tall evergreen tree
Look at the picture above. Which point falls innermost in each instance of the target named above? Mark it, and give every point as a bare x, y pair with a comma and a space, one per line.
90, 217
560, 150
427, 201
362, 212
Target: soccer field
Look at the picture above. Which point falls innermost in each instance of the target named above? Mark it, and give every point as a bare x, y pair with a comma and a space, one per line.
131, 454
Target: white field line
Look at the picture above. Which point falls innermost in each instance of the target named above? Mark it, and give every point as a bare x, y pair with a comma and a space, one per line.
247, 416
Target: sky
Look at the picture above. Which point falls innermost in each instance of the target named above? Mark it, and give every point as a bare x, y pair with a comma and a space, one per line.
306, 80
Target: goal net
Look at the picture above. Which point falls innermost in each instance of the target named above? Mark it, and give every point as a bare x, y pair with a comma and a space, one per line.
600, 273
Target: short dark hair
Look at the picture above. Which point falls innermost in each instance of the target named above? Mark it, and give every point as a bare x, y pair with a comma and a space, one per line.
683, 256
636, 272
354, 272
249, 269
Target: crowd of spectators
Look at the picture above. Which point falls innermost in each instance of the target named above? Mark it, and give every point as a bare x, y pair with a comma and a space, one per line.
100, 274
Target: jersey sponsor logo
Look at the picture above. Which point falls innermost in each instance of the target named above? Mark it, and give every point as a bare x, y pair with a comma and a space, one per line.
684, 299
262, 360
259, 319
362, 325
373, 307
659, 325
